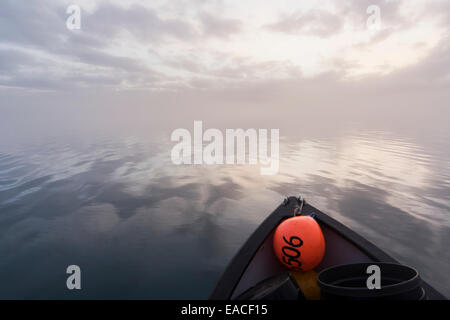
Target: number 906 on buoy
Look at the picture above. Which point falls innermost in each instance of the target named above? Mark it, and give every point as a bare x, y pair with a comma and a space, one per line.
299, 244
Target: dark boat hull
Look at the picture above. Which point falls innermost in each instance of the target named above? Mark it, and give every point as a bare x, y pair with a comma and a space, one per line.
255, 261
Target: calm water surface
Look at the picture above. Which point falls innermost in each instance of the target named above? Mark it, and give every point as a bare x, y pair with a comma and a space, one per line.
140, 227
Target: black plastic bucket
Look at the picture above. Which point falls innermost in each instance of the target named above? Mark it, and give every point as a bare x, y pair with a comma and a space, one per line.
398, 282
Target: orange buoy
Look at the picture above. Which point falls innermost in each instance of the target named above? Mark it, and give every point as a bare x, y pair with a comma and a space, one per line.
298, 243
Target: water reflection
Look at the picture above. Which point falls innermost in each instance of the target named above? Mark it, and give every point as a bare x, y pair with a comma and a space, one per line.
140, 227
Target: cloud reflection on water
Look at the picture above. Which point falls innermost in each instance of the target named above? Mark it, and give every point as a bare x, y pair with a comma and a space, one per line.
141, 227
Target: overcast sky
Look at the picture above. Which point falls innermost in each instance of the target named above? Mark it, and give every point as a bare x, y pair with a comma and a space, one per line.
246, 50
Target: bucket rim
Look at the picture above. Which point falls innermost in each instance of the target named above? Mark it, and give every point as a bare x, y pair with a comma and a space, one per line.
387, 290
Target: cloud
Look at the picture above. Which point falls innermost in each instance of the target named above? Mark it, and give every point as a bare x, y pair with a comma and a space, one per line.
225, 68
31, 23
143, 23
432, 70
219, 27
12, 59
32, 31
316, 22
324, 23
39, 52
199, 44
439, 10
